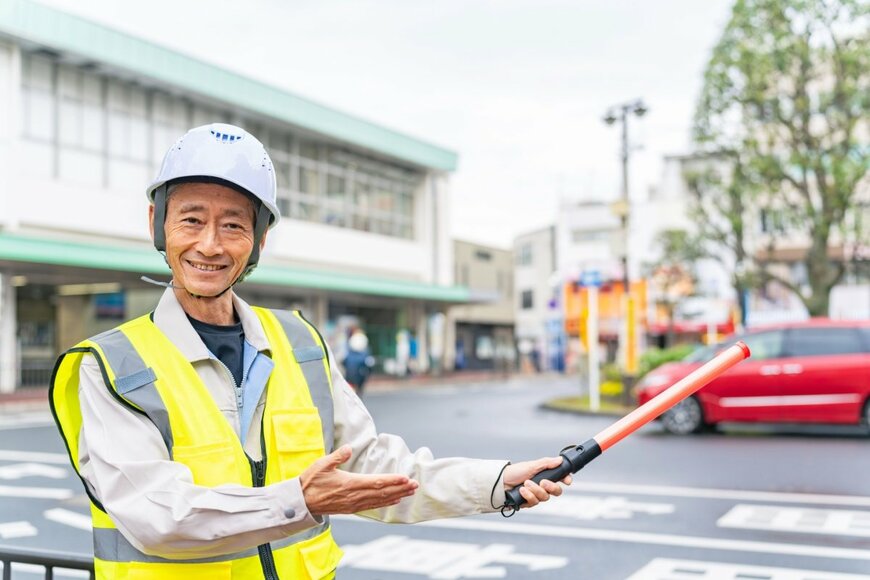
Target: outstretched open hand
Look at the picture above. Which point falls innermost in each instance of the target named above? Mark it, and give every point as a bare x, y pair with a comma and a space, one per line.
328, 490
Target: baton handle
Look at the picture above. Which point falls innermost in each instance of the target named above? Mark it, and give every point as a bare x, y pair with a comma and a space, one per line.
573, 460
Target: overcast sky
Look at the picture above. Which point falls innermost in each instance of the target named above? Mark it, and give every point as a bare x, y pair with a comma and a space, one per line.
517, 88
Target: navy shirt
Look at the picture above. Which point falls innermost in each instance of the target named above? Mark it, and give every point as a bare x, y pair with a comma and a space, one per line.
225, 342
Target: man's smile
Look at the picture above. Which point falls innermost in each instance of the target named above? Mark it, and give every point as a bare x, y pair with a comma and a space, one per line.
203, 267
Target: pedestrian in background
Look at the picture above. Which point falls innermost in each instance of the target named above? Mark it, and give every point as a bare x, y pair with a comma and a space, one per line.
214, 438
359, 362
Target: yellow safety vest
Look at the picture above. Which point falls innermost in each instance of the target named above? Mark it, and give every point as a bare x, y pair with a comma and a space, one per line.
143, 371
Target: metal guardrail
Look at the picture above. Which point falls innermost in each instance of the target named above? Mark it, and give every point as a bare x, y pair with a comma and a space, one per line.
48, 559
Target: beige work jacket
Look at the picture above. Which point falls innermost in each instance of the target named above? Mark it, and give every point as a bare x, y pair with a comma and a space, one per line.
157, 507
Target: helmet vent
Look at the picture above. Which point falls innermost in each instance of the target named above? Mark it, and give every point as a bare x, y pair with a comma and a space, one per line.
225, 137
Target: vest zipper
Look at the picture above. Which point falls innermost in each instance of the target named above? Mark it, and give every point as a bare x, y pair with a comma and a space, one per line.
258, 471
240, 402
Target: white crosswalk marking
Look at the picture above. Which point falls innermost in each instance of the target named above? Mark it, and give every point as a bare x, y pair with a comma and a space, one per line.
19, 470
656, 539
600, 508
18, 569
69, 518
25, 419
41, 492
665, 569
800, 520
20, 529
443, 560
37, 456
580, 487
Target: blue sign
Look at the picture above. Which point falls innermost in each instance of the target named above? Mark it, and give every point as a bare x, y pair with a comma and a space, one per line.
590, 278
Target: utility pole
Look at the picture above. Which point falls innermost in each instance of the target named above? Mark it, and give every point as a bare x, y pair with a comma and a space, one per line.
621, 113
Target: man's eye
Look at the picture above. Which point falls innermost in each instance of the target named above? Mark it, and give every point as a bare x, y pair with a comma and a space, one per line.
190, 220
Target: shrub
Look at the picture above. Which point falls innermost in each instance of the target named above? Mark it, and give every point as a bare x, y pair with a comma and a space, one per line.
656, 357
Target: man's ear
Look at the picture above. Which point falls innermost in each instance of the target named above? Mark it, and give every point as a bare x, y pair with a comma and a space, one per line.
151, 220
263, 241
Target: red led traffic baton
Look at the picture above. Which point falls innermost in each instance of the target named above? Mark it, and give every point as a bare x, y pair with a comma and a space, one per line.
576, 457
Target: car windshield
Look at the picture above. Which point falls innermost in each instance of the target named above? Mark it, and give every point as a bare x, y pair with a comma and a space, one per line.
703, 354
765, 344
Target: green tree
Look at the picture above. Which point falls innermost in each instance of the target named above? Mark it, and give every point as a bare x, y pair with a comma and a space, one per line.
784, 121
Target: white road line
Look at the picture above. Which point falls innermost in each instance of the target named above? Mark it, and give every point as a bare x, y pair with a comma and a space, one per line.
25, 420
713, 493
40, 570
799, 520
28, 425
610, 507
69, 518
806, 550
443, 560
666, 569
20, 470
38, 492
20, 529
36, 456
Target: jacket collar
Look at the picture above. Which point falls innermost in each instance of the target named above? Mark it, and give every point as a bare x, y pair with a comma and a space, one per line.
171, 319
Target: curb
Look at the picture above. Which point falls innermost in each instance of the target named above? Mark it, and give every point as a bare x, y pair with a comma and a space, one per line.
24, 401
583, 412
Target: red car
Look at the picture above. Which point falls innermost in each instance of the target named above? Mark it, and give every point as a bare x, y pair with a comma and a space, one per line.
817, 371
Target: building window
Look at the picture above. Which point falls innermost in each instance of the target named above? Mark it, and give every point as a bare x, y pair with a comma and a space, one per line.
129, 134
38, 101
526, 300
336, 187
483, 255
87, 127
80, 136
524, 255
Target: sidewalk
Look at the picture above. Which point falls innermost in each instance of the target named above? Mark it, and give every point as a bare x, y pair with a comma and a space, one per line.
24, 399
36, 398
387, 383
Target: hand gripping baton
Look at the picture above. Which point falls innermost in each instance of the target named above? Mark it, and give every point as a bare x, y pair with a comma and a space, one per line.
574, 458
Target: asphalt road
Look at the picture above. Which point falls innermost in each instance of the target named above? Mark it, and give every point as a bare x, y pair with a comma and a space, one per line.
773, 503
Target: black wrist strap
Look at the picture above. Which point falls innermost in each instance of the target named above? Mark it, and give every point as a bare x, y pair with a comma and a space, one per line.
494, 485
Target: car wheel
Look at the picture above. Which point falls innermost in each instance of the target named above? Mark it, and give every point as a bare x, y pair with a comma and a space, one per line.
865, 416
684, 418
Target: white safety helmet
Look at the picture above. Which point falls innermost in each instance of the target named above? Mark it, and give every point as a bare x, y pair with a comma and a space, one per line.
224, 154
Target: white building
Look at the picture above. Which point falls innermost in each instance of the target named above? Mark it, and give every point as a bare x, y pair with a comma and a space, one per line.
537, 300
86, 114
482, 334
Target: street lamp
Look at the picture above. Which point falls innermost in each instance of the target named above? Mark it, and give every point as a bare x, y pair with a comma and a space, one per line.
621, 113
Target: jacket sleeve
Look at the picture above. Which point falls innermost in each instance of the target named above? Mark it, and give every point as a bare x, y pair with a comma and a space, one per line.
449, 487
153, 500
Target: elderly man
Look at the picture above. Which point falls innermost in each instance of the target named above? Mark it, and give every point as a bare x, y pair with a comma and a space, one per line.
214, 438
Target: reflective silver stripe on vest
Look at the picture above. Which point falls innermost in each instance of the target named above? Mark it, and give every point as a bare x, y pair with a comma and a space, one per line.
127, 364
111, 546
309, 354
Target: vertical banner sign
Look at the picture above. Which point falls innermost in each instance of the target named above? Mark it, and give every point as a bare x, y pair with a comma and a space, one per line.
591, 280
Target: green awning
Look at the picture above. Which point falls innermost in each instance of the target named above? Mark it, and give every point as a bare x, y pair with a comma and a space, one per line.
114, 257
66, 33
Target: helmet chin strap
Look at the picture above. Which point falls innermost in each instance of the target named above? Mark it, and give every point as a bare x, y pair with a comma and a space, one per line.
174, 287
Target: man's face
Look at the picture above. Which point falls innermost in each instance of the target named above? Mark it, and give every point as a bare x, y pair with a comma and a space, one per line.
209, 236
